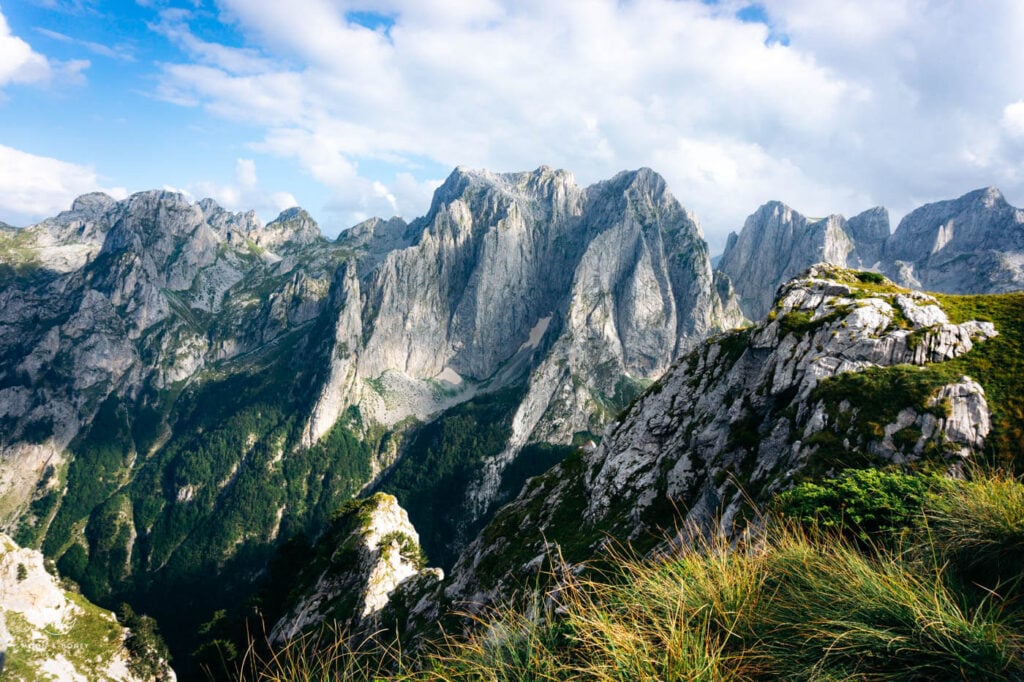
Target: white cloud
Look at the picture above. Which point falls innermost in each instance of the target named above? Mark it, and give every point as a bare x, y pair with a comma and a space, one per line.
1013, 119
118, 52
245, 193
18, 62
34, 187
871, 101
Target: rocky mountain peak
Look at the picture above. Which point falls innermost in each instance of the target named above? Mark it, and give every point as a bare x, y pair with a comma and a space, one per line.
470, 185
292, 228
456, 183
642, 181
92, 205
869, 229
209, 206
971, 244
776, 243
989, 197
370, 551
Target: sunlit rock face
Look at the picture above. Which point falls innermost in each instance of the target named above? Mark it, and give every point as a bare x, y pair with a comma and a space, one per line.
970, 245
777, 243
369, 553
47, 632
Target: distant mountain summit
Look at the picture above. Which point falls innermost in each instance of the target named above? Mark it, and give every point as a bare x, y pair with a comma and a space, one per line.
974, 244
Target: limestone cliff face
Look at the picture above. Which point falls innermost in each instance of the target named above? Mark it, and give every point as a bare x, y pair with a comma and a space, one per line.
584, 294
735, 421
615, 276
49, 632
974, 244
869, 232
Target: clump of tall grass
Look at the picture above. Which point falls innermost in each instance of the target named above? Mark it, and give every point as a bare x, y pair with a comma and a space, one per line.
647, 620
838, 612
320, 655
977, 526
793, 607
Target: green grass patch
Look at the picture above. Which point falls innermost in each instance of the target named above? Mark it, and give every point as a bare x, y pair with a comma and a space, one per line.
998, 365
865, 505
802, 322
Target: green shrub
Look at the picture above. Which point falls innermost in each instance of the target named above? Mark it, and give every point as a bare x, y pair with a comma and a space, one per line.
870, 277
146, 648
867, 505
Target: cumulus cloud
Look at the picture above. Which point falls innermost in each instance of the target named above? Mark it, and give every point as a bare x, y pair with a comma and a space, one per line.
34, 187
863, 102
20, 64
245, 193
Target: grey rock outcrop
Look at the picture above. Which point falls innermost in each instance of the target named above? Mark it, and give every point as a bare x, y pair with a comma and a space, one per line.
869, 232
292, 228
371, 553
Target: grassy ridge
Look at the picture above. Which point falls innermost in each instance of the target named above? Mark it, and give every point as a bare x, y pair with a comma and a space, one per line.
997, 364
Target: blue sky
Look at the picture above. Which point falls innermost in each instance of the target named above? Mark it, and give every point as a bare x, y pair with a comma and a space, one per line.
354, 108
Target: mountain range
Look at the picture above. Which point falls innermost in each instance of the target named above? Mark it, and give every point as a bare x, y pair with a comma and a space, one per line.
190, 400
970, 245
